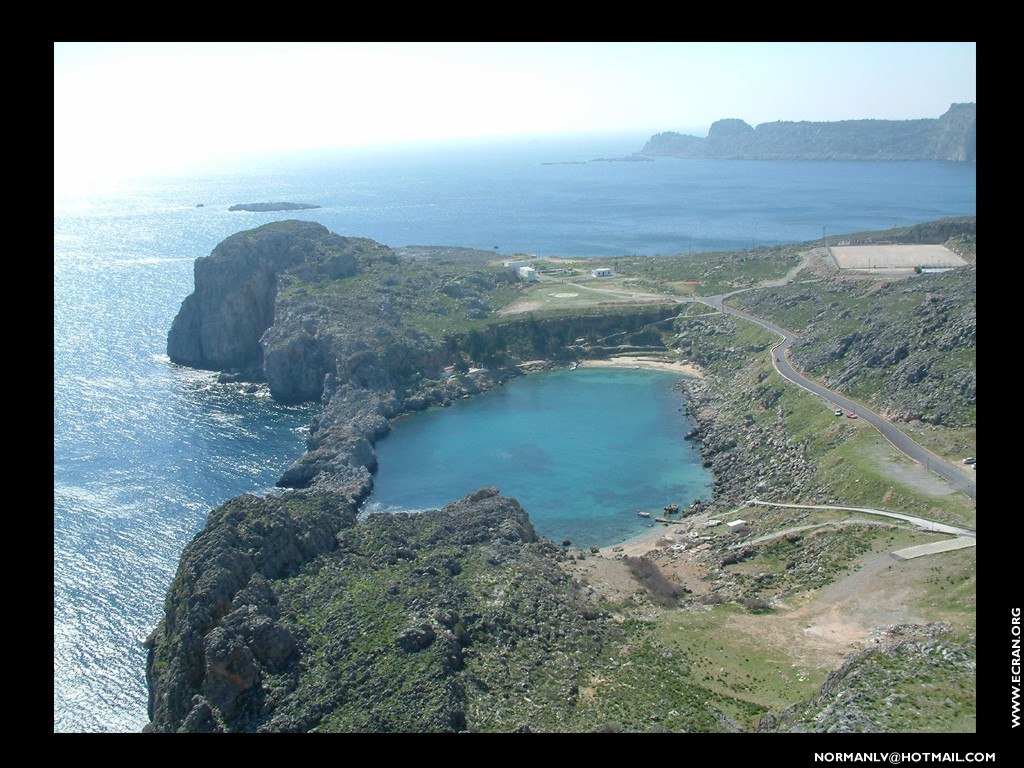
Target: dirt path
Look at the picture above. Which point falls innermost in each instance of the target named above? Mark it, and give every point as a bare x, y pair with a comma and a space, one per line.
812, 630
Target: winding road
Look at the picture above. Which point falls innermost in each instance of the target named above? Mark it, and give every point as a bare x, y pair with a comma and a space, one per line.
961, 479
957, 477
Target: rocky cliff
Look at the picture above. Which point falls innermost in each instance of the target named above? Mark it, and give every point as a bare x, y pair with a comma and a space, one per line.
219, 325
952, 137
365, 330
286, 616
221, 632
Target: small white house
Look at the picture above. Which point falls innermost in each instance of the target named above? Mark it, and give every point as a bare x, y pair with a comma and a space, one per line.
515, 264
602, 272
529, 274
738, 526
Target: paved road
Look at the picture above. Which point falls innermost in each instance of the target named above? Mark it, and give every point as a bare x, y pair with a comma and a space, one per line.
962, 479
964, 537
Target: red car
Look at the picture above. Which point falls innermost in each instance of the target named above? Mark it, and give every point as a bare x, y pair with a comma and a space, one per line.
851, 415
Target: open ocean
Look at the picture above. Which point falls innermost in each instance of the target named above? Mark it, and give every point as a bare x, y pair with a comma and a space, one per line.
144, 449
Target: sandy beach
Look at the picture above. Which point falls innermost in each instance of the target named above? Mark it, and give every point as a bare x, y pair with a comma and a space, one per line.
644, 542
650, 363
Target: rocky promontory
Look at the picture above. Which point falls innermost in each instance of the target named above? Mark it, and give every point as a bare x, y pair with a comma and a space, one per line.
365, 330
287, 615
952, 137
430, 622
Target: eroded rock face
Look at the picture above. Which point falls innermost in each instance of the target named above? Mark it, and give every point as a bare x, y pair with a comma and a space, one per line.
220, 635
220, 324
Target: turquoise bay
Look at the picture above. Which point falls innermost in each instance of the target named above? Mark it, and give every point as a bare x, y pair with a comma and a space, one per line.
581, 450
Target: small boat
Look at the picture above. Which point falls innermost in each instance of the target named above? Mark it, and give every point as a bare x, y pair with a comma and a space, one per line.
643, 514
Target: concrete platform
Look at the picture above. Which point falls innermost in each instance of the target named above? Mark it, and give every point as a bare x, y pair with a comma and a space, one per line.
961, 542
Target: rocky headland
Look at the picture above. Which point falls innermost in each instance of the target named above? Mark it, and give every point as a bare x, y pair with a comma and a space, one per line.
952, 137
286, 614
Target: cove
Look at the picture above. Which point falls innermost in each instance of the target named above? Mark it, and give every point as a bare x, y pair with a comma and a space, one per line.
582, 451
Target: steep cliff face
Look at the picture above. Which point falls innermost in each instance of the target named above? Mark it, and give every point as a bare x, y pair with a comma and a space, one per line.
239, 318
221, 634
951, 137
957, 134
339, 320
220, 324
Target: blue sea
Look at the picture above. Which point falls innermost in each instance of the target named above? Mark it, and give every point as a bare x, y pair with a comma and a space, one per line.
144, 449
582, 450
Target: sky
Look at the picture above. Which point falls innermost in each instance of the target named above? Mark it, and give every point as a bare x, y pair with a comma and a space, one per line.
139, 108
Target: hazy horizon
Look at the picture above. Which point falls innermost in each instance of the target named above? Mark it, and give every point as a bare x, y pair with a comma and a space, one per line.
135, 108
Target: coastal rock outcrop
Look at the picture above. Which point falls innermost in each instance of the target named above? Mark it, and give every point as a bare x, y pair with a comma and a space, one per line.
286, 614
220, 324
221, 633
323, 318
429, 622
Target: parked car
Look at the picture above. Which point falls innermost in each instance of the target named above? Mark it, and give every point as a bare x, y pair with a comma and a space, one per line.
851, 415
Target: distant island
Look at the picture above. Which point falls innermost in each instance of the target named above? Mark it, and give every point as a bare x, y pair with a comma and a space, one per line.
951, 137
261, 207
624, 159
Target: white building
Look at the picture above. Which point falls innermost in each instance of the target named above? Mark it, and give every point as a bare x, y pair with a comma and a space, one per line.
515, 264
602, 272
738, 526
529, 274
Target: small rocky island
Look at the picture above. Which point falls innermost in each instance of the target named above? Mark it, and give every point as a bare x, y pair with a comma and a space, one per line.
263, 207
